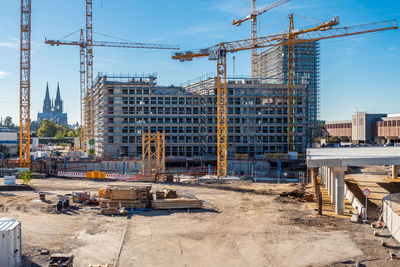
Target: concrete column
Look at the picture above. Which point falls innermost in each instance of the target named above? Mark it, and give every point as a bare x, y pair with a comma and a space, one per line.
395, 171
339, 190
333, 184
328, 181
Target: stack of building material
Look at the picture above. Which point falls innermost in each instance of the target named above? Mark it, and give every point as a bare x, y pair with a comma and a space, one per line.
166, 193
116, 198
61, 260
177, 203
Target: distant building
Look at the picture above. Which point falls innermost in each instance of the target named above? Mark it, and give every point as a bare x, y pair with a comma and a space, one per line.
9, 138
53, 110
367, 128
389, 129
364, 127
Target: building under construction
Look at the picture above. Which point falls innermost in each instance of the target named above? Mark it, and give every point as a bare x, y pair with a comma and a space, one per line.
273, 63
126, 106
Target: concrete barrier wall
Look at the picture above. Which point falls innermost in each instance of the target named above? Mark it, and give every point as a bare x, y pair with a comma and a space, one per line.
357, 205
391, 218
114, 166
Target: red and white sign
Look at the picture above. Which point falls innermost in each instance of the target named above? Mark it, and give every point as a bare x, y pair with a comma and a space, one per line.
366, 192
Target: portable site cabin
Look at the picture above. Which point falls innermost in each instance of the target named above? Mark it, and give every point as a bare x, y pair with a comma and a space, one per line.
10, 242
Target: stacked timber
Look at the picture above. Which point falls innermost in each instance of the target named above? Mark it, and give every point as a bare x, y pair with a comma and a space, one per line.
176, 203
166, 193
116, 199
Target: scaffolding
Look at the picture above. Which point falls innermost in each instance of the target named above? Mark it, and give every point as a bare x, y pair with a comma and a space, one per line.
153, 153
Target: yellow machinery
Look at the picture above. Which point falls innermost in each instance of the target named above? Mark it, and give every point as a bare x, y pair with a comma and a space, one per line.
153, 153
253, 17
290, 38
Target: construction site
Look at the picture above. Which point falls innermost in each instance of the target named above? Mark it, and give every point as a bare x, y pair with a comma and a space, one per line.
218, 171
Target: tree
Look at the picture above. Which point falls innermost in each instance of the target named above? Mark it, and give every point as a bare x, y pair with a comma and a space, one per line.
47, 129
318, 132
8, 122
78, 131
71, 134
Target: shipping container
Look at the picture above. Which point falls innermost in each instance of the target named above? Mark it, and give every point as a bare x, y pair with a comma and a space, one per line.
10, 242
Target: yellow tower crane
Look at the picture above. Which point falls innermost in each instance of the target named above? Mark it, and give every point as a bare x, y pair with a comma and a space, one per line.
218, 52
25, 84
253, 17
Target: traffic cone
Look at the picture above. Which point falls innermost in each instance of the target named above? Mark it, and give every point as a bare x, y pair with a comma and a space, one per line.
380, 222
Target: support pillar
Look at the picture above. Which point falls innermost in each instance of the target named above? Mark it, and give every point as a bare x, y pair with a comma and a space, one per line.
328, 181
339, 190
395, 171
333, 184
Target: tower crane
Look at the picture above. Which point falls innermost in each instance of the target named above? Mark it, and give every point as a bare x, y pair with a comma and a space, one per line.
253, 17
25, 84
218, 52
86, 70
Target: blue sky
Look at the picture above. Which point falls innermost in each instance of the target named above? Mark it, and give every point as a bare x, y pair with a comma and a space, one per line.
356, 72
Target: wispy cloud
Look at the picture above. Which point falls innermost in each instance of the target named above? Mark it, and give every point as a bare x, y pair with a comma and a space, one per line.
3, 74
238, 8
8, 45
393, 48
9, 42
200, 29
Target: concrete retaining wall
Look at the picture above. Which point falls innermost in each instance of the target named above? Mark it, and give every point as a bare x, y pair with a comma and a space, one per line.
358, 207
390, 217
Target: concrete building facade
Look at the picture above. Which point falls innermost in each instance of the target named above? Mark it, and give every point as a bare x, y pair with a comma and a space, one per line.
341, 129
127, 106
364, 127
388, 129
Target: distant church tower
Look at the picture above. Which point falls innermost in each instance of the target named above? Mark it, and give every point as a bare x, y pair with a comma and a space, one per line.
53, 110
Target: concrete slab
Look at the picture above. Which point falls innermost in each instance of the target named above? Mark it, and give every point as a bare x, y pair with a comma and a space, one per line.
353, 156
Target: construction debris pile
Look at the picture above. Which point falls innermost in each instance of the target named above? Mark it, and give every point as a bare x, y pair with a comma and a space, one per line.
116, 200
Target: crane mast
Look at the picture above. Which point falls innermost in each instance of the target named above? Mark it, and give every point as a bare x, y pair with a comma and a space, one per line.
89, 77
218, 52
82, 73
25, 84
291, 118
222, 114
254, 52
253, 20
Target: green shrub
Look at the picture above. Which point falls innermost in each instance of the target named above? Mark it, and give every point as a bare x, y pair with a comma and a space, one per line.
26, 176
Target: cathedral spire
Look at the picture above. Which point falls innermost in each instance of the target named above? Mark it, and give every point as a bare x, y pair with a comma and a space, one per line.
47, 101
58, 105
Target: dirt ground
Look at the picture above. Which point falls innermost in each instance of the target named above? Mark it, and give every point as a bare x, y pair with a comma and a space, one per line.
377, 180
242, 224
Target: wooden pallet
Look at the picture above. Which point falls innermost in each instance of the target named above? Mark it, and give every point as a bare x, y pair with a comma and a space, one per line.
177, 203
